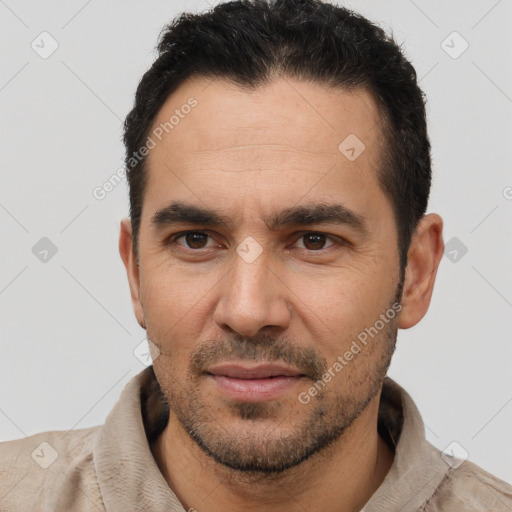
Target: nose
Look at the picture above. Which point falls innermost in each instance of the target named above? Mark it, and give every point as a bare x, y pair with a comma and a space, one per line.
252, 297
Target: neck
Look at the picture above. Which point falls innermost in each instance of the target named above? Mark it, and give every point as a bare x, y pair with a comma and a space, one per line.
340, 478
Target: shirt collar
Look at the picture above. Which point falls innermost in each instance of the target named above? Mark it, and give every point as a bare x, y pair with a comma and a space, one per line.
418, 467
127, 472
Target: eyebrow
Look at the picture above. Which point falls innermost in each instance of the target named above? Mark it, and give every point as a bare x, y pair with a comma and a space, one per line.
324, 213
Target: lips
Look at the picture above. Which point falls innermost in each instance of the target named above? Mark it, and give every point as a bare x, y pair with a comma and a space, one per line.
258, 383
265, 371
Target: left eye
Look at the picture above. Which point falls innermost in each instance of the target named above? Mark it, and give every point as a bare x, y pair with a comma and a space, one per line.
315, 241
194, 239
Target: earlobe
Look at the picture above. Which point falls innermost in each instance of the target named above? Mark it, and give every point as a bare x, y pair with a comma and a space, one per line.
132, 268
424, 256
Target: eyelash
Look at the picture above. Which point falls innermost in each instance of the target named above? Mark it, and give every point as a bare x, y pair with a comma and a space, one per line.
335, 240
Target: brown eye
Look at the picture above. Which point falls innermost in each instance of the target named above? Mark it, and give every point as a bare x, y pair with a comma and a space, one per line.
314, 241
193, 240
196, 240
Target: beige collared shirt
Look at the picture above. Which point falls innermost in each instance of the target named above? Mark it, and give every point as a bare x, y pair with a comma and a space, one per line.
111, 467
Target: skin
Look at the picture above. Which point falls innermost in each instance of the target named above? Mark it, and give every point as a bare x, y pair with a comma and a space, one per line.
247, 155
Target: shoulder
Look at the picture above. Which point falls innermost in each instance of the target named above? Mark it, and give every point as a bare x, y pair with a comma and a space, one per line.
469, 487
49, 471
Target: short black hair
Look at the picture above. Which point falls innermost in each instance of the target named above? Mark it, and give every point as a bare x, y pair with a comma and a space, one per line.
248, 42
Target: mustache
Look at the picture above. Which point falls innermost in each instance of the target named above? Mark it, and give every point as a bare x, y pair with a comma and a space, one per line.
259, 348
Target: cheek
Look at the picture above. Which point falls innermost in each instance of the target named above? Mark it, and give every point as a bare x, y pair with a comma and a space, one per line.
338, 309
345, 297
173, 306
171, 292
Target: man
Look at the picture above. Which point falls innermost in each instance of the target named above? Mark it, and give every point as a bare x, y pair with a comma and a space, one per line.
279, 171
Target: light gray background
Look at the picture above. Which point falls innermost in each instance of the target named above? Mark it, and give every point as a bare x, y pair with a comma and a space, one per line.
67, 328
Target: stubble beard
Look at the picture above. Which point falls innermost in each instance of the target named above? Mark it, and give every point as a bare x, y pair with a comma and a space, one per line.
264, 441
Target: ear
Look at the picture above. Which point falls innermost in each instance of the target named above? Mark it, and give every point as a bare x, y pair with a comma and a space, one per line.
132, 268
423, 258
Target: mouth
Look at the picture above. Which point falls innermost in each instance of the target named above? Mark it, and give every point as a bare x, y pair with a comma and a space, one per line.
257, 383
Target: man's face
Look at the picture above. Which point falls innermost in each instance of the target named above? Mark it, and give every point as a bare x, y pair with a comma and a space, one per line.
250, 311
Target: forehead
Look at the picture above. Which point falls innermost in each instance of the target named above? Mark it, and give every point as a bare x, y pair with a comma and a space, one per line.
317, 118
213, 137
